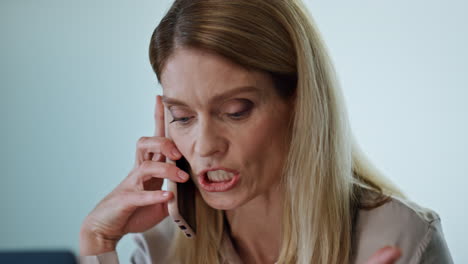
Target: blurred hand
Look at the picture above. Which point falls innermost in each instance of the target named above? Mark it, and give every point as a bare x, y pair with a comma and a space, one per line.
386, 255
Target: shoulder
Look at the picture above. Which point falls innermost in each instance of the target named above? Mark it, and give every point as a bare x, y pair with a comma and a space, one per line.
399, 222
153, 245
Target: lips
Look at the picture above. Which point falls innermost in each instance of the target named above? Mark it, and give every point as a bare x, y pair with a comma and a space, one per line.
217, 186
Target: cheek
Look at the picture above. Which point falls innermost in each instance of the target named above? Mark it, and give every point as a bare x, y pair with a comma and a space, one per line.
182, 142
264, 144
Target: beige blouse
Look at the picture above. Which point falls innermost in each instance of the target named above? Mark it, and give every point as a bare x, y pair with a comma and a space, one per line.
415, 230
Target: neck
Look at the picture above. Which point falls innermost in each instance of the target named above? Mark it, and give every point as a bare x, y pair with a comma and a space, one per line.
255, 228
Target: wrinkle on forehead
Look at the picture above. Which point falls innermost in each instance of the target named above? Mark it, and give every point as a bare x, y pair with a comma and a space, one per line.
197, 74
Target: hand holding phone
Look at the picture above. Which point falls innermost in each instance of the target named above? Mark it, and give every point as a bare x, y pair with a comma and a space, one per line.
137, 203
182, 207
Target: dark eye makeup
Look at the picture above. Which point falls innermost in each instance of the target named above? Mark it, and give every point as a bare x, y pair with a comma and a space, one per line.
181, 119
235, 110
243, 108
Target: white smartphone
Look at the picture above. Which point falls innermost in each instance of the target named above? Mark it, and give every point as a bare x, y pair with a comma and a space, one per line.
182, 207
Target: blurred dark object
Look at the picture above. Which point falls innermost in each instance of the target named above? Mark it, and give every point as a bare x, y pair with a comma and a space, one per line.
37, 257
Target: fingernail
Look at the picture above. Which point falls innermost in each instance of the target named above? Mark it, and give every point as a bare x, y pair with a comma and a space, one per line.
176, 153
165, 194
183, 175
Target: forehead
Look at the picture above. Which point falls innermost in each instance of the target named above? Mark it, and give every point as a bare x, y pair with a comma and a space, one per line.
194, 73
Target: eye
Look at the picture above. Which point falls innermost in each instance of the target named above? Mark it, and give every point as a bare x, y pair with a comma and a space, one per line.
181, 120
181, 115
240, 109
239, 115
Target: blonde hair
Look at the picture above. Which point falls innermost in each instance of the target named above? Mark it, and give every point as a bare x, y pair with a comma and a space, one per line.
325, 170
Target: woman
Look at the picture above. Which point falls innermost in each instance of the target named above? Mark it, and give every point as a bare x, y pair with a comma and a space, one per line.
252, 96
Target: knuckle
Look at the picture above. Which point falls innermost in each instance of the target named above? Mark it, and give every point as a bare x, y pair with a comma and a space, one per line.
149, 196
173, 169
147, 164
160, 141
168, 170
131, 182
166, 145
142, 142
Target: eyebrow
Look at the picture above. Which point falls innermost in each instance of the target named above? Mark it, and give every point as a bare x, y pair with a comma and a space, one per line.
219, 97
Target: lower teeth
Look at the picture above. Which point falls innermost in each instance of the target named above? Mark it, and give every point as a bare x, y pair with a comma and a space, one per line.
218, 180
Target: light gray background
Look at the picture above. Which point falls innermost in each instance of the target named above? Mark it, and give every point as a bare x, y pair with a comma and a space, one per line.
77, 92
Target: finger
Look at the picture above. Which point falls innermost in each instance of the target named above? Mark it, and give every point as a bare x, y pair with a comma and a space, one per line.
386, 255
129, 200
159, 129
153, 169
145, 217
159, 117
149, 147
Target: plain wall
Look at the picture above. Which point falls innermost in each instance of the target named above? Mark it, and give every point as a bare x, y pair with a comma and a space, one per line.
77, 92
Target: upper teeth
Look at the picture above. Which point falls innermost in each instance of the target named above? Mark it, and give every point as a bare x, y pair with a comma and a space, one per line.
219, 175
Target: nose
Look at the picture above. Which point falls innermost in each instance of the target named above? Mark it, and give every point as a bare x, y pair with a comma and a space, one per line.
209, 140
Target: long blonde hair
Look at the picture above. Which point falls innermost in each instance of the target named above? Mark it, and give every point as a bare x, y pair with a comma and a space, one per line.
324, 169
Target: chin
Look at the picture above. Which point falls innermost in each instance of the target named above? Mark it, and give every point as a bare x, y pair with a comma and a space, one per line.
221, 201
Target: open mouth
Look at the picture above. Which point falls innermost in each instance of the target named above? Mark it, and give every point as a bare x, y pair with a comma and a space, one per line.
219, 176
218, 180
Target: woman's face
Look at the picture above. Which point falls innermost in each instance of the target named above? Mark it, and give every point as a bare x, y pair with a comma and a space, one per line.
228, 123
